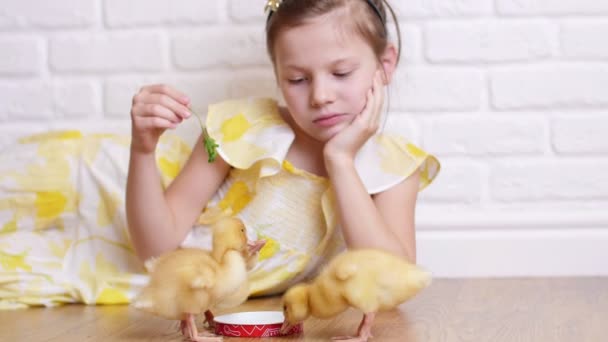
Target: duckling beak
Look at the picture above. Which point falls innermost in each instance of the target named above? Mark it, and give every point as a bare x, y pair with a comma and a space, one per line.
255, 246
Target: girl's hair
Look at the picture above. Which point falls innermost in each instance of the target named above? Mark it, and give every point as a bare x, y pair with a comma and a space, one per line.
368, 21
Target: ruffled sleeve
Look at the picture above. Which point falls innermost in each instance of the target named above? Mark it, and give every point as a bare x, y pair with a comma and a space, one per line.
248, 131
387, 159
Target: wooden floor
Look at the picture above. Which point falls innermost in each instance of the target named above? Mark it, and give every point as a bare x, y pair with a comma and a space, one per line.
560, 309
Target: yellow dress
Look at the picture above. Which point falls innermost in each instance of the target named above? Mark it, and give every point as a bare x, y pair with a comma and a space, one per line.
63, 234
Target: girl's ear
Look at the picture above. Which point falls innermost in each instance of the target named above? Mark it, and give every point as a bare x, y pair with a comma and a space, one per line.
389, 62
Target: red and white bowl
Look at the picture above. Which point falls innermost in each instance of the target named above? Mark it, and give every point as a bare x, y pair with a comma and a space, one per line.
253, 324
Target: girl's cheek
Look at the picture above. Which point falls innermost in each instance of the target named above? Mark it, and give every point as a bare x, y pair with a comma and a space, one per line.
295, 92
358, 96
289, 95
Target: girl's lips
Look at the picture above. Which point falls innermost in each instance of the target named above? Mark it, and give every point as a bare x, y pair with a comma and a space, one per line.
329, 120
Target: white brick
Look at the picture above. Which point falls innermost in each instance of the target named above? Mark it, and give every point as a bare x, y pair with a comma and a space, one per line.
206, 89
581, 135
120, 13
432, 8
585, 39
119, 91
76, 98
114, 52
220, 47
458, 181
247, 11
51, 14
202, 90
45, 100
436, 89
567, 7
550, 87
549, 180
411, 44
26, 100
474, 135
490, 41
254, 84
401, 124
21, 55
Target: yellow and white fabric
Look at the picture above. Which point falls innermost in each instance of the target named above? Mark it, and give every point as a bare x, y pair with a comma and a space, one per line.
63, 234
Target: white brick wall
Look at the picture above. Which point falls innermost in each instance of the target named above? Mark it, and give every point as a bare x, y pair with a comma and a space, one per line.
512, 95
71, 14
134, 13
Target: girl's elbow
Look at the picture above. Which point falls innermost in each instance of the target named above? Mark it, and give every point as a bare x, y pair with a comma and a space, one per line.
143, 253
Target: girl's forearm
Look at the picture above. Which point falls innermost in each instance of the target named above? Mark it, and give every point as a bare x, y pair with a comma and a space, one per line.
151, 223
362, 224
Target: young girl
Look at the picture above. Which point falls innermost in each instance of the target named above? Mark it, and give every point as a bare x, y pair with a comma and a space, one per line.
311, 178
304, 176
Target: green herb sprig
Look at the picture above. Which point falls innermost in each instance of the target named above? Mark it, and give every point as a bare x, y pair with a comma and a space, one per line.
209, 143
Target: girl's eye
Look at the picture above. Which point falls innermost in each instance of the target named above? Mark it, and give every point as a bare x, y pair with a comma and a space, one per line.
295, 80
341, 74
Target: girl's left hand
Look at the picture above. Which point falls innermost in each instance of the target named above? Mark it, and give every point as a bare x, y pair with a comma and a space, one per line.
345, 144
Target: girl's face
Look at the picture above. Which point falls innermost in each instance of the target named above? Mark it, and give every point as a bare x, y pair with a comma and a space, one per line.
324, 71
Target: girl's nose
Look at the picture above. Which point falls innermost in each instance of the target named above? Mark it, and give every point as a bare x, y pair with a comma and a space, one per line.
321, 94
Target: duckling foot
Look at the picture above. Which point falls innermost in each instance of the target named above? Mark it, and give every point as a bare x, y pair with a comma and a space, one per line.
209, 322
191, 332
364, 331
183, 327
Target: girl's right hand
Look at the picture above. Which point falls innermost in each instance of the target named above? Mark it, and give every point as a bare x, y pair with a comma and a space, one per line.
156, 108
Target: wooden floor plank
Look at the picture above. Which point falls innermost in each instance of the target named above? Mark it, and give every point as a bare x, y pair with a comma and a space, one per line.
558, 309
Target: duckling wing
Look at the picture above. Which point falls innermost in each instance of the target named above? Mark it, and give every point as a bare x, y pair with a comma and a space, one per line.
376, 284
354, 281
395, 281
179, 283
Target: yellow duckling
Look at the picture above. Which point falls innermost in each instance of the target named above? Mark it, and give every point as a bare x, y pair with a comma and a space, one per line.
187, 282
367, 279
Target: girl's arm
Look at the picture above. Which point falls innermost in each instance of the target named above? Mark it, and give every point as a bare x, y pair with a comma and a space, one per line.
384, 221
159, 220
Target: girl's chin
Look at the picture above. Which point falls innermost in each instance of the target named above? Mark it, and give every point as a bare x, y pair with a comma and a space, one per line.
327, 134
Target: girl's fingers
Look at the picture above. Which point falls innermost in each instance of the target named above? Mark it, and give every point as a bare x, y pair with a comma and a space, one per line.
151, 122
378, 99
170, 103
366, 113
166, 90
156, 110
